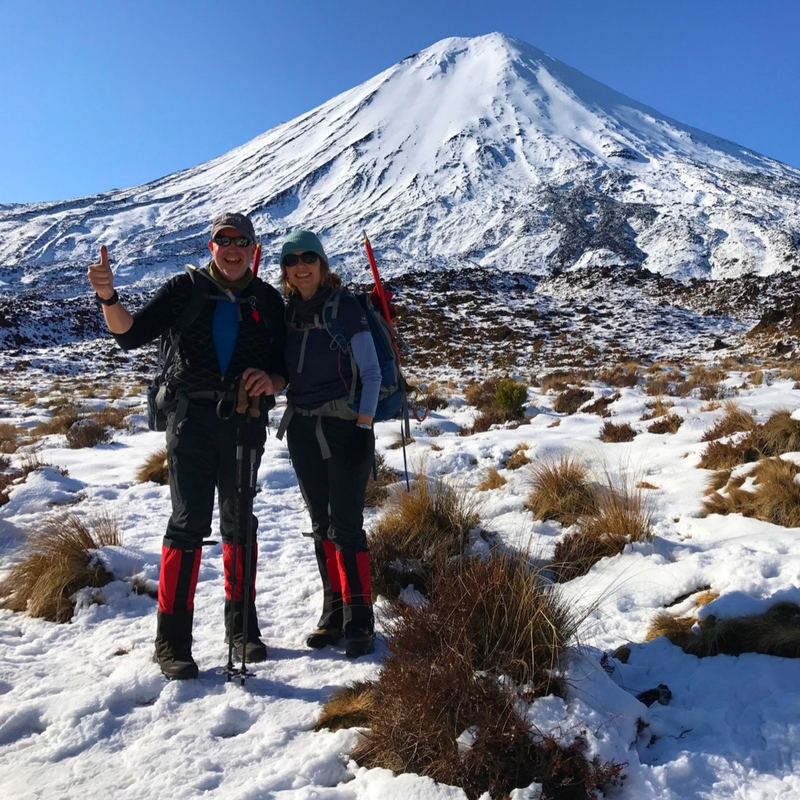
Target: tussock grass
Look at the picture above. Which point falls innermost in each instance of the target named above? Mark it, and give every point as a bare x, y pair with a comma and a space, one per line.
519, 457
9, 437
560, 490
774, 633
559, 380
154, 469
63, 416
620, 375
571, 400
667, 424
657, 408
481, 395
439, 709
398, 442
378, 488
734, 420
617, 432
417, 531
493, 480
621, 515
779, 434
349, 707
775, 496
58, 563
657, 385
87, 432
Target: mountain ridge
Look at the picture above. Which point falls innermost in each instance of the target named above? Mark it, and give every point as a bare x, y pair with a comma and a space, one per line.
481, 151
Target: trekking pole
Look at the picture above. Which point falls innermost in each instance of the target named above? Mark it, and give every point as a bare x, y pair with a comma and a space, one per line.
229, 669
257, 258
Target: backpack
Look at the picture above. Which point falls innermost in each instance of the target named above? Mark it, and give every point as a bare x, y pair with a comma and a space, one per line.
160, 395
392, 398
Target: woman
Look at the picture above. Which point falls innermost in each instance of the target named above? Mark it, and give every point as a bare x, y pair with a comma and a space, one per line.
329, 433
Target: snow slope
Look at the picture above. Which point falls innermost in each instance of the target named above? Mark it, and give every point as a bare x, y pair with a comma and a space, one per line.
473, 151
85, 713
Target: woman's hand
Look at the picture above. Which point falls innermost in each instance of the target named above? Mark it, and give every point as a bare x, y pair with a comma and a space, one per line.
258, 382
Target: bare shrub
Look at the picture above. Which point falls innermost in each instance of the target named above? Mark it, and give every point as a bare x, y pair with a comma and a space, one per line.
775, 497
620, 516
418, 529
87, 433
776, 632
519, 457
571, 400
154, 469
493, 480
58, 564
600, 406
560, 490
668, 424
617, 432
734, 420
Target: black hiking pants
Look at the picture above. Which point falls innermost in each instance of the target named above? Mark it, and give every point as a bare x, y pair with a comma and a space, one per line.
202, 461
333, 490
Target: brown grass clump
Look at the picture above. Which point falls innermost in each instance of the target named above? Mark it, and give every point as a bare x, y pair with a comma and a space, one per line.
110, 417
9, 438
58, 564
154, 470
622, 432
481, 395
87, 433
438, 708
62, 418
349, 707
571, 400
657, 408
621, 516
519, 457
493, 480
418, 530
487, 418
620, 375
398, 442
779, 434
776, 632
734, 420
668, 424
378, 488
657, 384
775, 497
560, 490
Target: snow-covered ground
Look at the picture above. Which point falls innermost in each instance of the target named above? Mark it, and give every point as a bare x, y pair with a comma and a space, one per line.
84, 712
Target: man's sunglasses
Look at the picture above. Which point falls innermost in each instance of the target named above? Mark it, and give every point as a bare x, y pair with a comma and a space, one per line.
292, 260
239, 241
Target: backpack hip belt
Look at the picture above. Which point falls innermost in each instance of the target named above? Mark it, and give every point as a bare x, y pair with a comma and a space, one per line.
333, 408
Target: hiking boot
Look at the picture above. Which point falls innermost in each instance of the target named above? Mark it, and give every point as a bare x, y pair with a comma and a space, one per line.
174, 667
255, 650
360, 643
323, 637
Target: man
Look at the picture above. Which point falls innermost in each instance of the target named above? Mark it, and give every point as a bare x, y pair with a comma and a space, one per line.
237, 335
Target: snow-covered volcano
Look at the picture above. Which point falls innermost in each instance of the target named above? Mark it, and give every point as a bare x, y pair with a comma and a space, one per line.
474, 151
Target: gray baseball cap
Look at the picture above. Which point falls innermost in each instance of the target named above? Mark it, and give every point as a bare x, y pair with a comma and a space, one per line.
232, 219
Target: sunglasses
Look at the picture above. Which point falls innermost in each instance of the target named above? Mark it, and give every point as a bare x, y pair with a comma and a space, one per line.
239, 241
293, 260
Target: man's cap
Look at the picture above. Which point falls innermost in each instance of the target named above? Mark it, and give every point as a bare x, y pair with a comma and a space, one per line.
303, 240
232, 219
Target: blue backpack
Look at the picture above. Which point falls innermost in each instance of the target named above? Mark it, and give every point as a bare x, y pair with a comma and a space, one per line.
392, 398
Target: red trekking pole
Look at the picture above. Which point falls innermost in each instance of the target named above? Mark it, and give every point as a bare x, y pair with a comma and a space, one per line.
257, 258
381, 293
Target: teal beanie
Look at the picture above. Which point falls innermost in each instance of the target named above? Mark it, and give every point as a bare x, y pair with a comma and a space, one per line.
303, 240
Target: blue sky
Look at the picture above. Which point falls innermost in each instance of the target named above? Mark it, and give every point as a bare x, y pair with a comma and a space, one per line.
102, 94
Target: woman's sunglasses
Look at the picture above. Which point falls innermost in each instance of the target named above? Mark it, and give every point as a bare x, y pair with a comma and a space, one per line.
292, 260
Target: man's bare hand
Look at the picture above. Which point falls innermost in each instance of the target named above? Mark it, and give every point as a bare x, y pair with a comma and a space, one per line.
257, 382
101, 277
